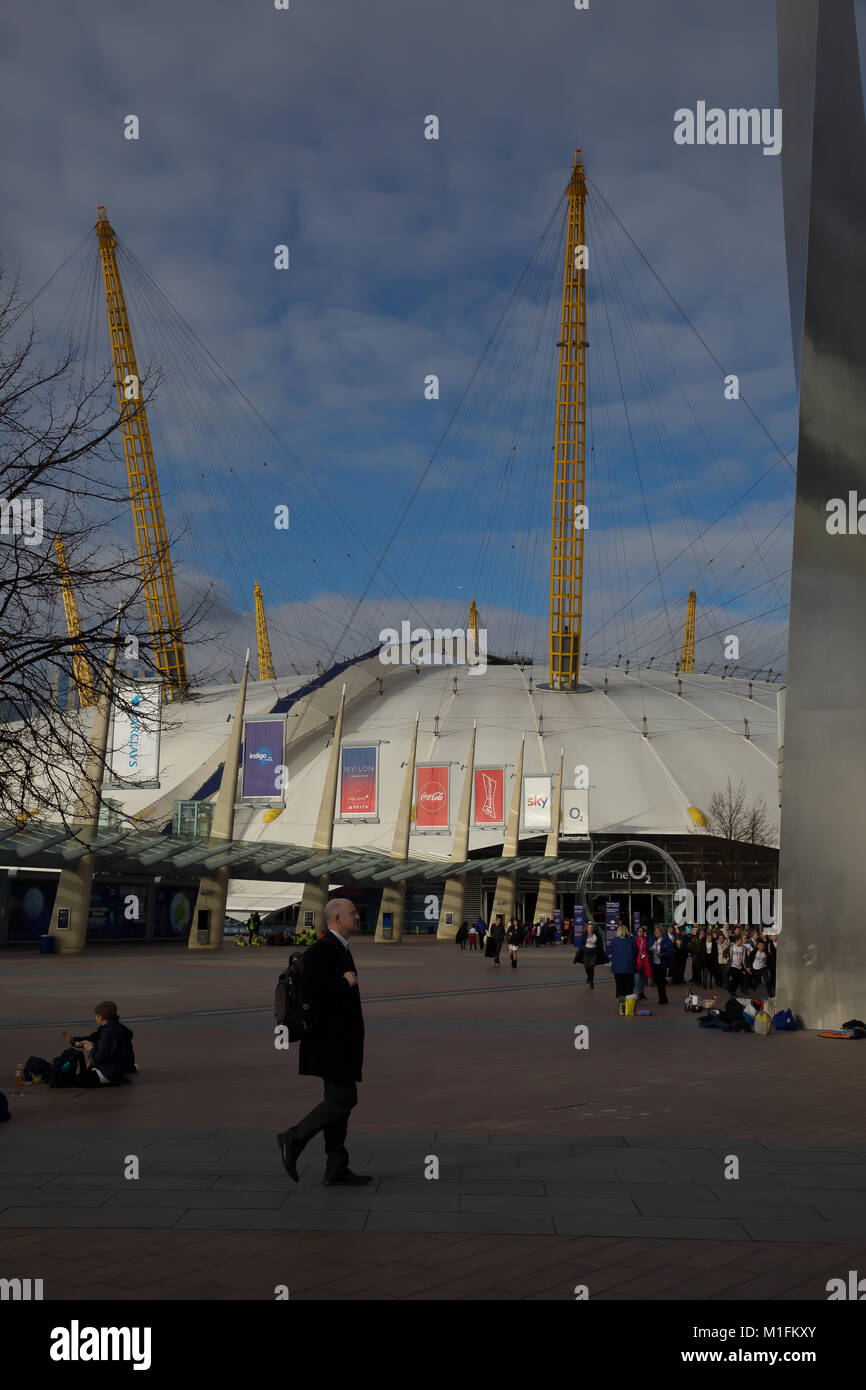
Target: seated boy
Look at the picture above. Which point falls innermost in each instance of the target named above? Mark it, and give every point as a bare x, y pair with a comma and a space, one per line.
108, 1053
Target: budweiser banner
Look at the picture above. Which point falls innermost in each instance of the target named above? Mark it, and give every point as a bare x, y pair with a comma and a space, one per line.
489, 796
359, 781
431, 797
536, 803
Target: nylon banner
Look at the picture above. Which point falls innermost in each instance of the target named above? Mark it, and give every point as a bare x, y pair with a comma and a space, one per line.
575, 812
263, 755
359, 781
536, 803
489, 796
431, 797
135, 737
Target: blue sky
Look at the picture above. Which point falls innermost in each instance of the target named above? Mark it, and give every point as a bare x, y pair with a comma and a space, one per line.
261, 127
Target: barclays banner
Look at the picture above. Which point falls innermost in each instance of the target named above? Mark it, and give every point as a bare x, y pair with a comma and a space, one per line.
263, 778
134, 760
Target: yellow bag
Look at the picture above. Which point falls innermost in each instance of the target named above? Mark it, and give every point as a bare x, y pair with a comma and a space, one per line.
629, 1005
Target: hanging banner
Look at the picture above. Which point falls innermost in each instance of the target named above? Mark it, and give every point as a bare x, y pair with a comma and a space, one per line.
431, 797
575, 812
536, 803
134, 757
489, 796
579, 921
611, 922
359, 782
263, 757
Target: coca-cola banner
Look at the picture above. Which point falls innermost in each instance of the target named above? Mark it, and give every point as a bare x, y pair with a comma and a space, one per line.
431, 797
359, 781
489, 796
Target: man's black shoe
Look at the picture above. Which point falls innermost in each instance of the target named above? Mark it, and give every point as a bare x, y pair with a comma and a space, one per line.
290, 1152
348, 1179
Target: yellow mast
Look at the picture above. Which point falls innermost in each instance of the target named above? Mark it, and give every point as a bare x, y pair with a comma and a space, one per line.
80, 666
266, 665
687, 658
473, 623
566, 540
150, 530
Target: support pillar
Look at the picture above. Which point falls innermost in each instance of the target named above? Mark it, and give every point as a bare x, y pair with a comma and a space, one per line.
454, 896
213, 887
822, 956
506, 884
547, 886
315, 894
394, 894
75, 884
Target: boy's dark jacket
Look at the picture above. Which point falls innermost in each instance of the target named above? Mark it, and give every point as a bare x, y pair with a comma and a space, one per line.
112, 1050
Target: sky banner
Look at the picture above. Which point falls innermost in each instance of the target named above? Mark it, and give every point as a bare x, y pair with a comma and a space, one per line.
489, 796
536, 803
359, 769
263, 759
575, 812
431, 797
135, 736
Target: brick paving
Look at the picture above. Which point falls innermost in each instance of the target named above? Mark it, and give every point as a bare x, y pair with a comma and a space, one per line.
557, 1167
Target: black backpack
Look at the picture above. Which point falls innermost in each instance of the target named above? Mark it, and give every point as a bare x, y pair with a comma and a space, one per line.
291, 1009
4, 1109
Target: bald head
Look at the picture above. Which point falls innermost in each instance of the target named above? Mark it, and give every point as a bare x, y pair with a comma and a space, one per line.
341, 916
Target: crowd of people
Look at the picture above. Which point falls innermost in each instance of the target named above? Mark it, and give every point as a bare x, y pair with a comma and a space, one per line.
739, 959
731, 957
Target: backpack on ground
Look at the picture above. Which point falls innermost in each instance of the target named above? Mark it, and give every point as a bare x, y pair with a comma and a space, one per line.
763, 1023
692, 1004
783, 1021
36, 1066
291, 1009
64, 1069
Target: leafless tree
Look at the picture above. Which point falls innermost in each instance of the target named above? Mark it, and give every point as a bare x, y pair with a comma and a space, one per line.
60, 444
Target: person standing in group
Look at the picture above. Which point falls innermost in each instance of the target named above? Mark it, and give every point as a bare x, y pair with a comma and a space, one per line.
334, 1048
590, 952
759, 964
462, 935
680, 958
723, 956
643, 965
513, 938
694, 940
661, 951
473, 939
735, 973
497, 936
622, 961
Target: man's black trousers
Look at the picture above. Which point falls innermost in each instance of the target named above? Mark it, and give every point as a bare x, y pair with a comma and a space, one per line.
330, 1117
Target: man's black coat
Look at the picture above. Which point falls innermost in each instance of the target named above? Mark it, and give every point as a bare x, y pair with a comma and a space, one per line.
335, 1046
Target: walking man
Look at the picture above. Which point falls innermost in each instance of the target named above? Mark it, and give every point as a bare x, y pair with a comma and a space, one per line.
334, 1049
497, 933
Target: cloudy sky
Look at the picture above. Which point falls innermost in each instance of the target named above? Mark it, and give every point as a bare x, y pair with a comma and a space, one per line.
305, 127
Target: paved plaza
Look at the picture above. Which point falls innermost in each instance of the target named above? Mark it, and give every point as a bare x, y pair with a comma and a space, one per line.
557, 1166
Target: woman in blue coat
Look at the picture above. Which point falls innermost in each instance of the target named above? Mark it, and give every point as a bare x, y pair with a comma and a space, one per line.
661, 954
623, 961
